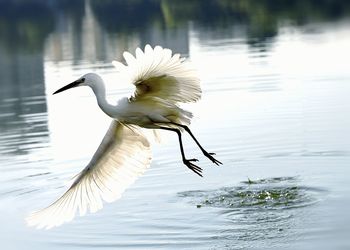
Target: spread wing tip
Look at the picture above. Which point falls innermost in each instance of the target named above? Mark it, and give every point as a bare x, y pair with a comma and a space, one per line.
123, 155
163, 74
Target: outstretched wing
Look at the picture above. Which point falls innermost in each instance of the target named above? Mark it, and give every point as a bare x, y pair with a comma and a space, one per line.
157, 73
123, 155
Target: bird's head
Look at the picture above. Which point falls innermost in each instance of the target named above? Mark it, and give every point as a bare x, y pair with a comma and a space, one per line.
89, 79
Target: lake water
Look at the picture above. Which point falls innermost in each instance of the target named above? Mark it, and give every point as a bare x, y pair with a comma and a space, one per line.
275, 109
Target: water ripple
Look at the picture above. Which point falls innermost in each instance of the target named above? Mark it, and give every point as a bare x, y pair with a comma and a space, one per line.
273, 193
257, 209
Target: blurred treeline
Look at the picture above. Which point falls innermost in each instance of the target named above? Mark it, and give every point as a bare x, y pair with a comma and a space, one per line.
30, 21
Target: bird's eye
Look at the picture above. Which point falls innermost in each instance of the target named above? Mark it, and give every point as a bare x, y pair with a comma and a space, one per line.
83, 79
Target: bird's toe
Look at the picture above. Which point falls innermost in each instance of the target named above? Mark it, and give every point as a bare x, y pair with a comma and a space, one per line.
193, 167
210, 157
194, 159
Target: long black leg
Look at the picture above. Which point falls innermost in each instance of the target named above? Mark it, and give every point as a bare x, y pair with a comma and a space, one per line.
187, 162
208, 155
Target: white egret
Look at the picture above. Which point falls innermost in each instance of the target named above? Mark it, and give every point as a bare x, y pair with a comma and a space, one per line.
162, 80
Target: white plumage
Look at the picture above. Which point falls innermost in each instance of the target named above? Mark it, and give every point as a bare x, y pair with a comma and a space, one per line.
156, 73
162, 80
123, 155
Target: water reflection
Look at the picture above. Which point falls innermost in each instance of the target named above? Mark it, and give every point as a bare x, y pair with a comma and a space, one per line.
102, 30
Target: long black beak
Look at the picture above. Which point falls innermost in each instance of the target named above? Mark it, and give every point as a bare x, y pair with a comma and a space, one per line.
69, 86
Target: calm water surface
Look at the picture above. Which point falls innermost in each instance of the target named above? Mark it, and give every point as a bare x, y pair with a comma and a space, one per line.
275, 109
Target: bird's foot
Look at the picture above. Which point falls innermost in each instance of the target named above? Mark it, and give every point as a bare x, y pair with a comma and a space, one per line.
210, 157
193, 167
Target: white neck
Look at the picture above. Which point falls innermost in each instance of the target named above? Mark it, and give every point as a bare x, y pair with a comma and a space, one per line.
107, 108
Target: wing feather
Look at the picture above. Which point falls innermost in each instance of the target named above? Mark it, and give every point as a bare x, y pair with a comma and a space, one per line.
123, 155
157, 73
119, 66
